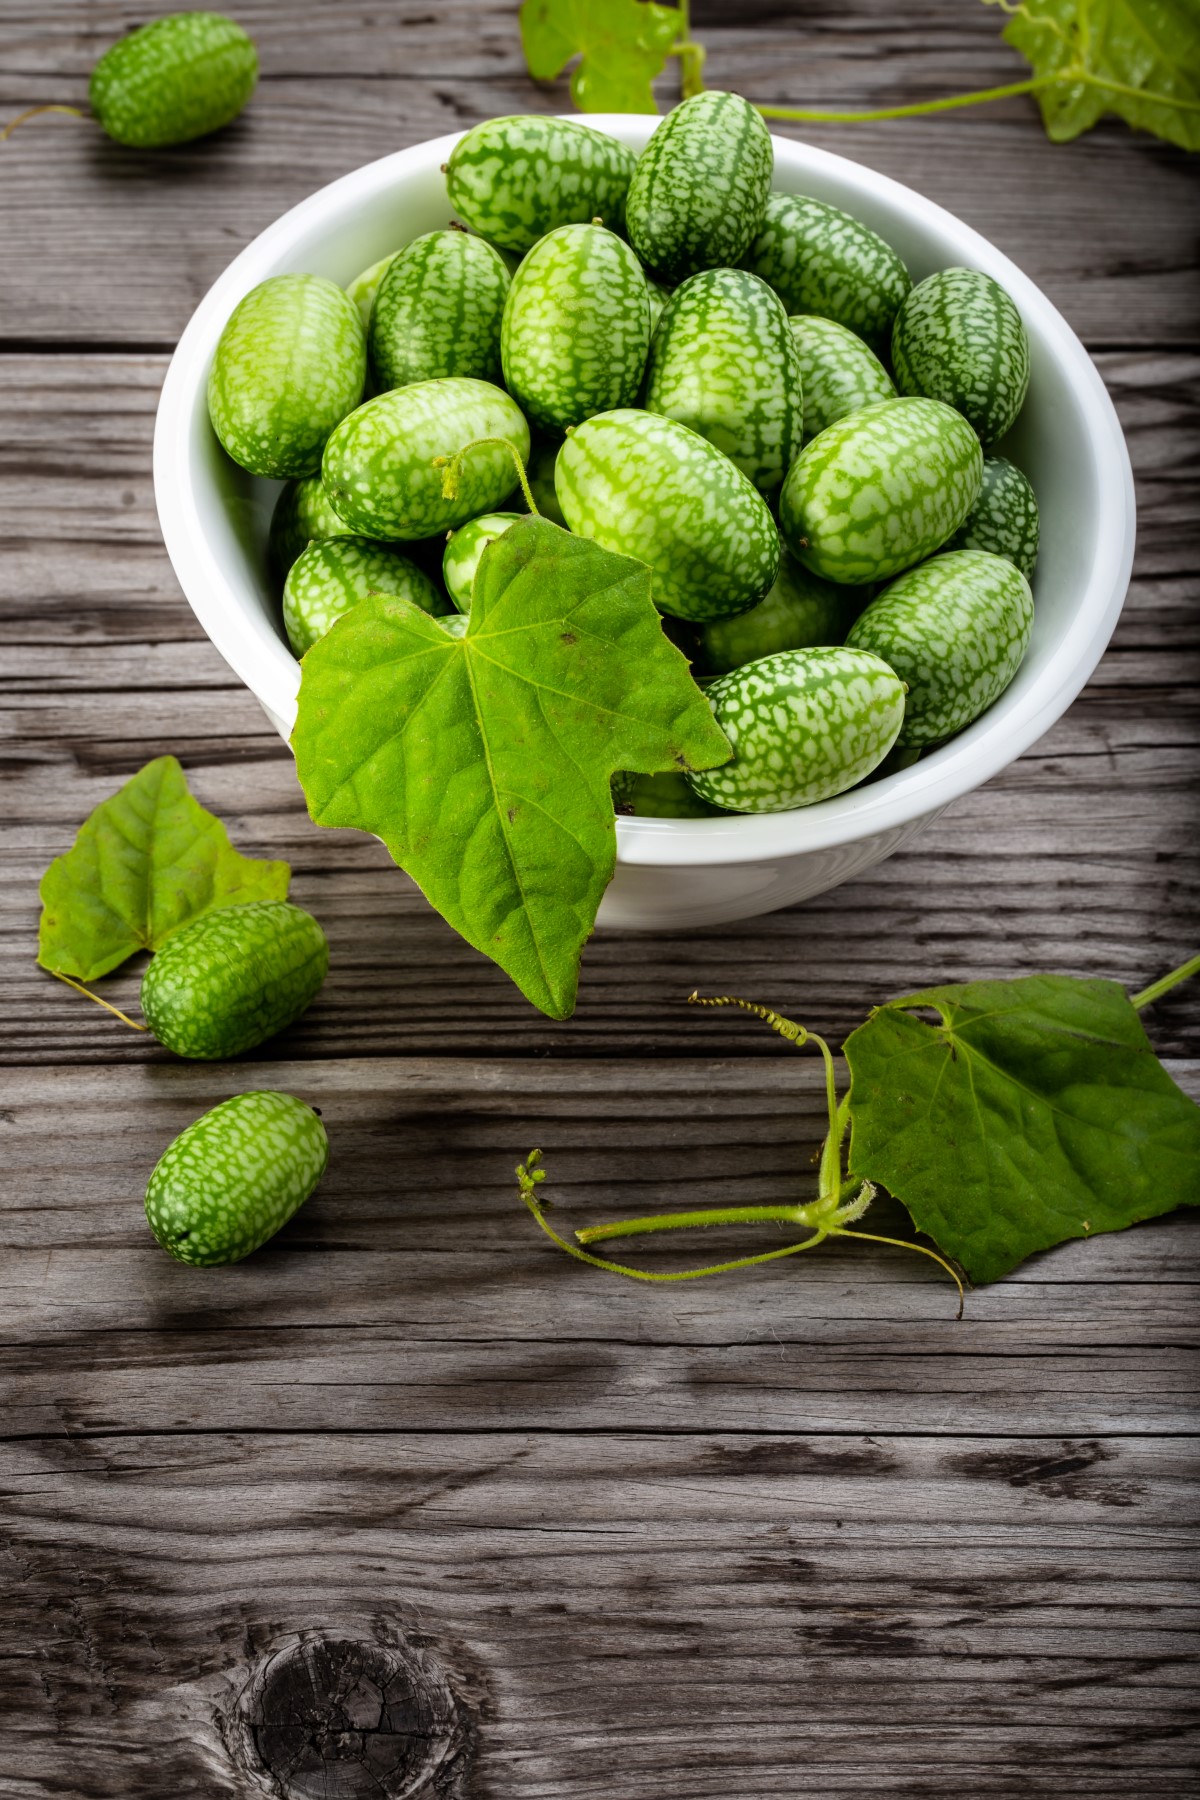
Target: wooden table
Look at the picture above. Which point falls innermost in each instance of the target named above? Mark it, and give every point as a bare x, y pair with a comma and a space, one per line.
795, 1532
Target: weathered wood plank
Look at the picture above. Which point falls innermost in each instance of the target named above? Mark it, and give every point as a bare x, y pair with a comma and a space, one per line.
453, 1314
1108, 238
890, 1616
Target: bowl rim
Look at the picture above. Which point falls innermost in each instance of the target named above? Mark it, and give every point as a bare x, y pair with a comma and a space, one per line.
966, 762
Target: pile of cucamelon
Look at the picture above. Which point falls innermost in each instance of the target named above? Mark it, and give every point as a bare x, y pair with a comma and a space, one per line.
741, 389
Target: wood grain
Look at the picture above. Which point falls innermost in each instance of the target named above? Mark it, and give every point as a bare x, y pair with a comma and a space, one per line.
792, 1533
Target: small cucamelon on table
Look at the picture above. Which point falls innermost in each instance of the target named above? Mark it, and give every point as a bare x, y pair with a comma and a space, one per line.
820, 260
653, 489
233, 978
227, 1183
175, 79
334, 574
380, 465
959, 338
290, 365
698, 192
563, 361
955, 630
437, 311
724, 361
515, 179
804, 725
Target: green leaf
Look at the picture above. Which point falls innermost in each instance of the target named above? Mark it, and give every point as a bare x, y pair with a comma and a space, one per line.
1035, 1112
623, 45
1137, 58
145, 863
484, 761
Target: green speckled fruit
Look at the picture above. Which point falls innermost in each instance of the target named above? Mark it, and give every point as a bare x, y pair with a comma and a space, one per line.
700, 186
839, 371
955, 630
650, 488
576, 327
235, 1176
662, 796
379, 468
233, 978
515, 179
464, 548
175, 79
801, 612
363, 289
724, 362
302, 515
334, 574
1004, 519
804, 725
959, 338
881, 489
290, 363
437, 311
820, 260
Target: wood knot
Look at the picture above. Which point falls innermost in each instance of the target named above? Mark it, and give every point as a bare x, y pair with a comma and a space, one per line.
326, 1717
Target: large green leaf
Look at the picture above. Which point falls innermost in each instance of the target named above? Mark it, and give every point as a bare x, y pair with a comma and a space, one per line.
1137, 58
1035, 1111
622, 44
484, 761
145, 863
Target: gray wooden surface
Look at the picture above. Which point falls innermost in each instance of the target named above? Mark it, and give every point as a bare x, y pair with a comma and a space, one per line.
796, 1532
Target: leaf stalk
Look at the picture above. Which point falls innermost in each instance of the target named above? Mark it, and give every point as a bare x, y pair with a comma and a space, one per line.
1165, 983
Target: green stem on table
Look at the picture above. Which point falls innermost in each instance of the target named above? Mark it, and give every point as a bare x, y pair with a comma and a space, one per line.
917, 108
32, 112
691, 55
451, 467
1165, 983
106, 1004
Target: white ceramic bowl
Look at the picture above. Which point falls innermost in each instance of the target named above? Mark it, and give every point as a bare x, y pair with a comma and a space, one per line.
705, 871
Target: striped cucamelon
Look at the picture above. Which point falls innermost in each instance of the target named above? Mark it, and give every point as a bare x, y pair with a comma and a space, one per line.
820, 260
363, 289
881, 489
380, 467
515, 179
724, 361
650, 488
175, 79
576, 327
955, 630
662, 796
1004, 519
700, 186
233, 978
437, 311
839, 372
959, 338
464, 548
334, 574
801, 612
290, 363
804, 725
239, 1172
302, 514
